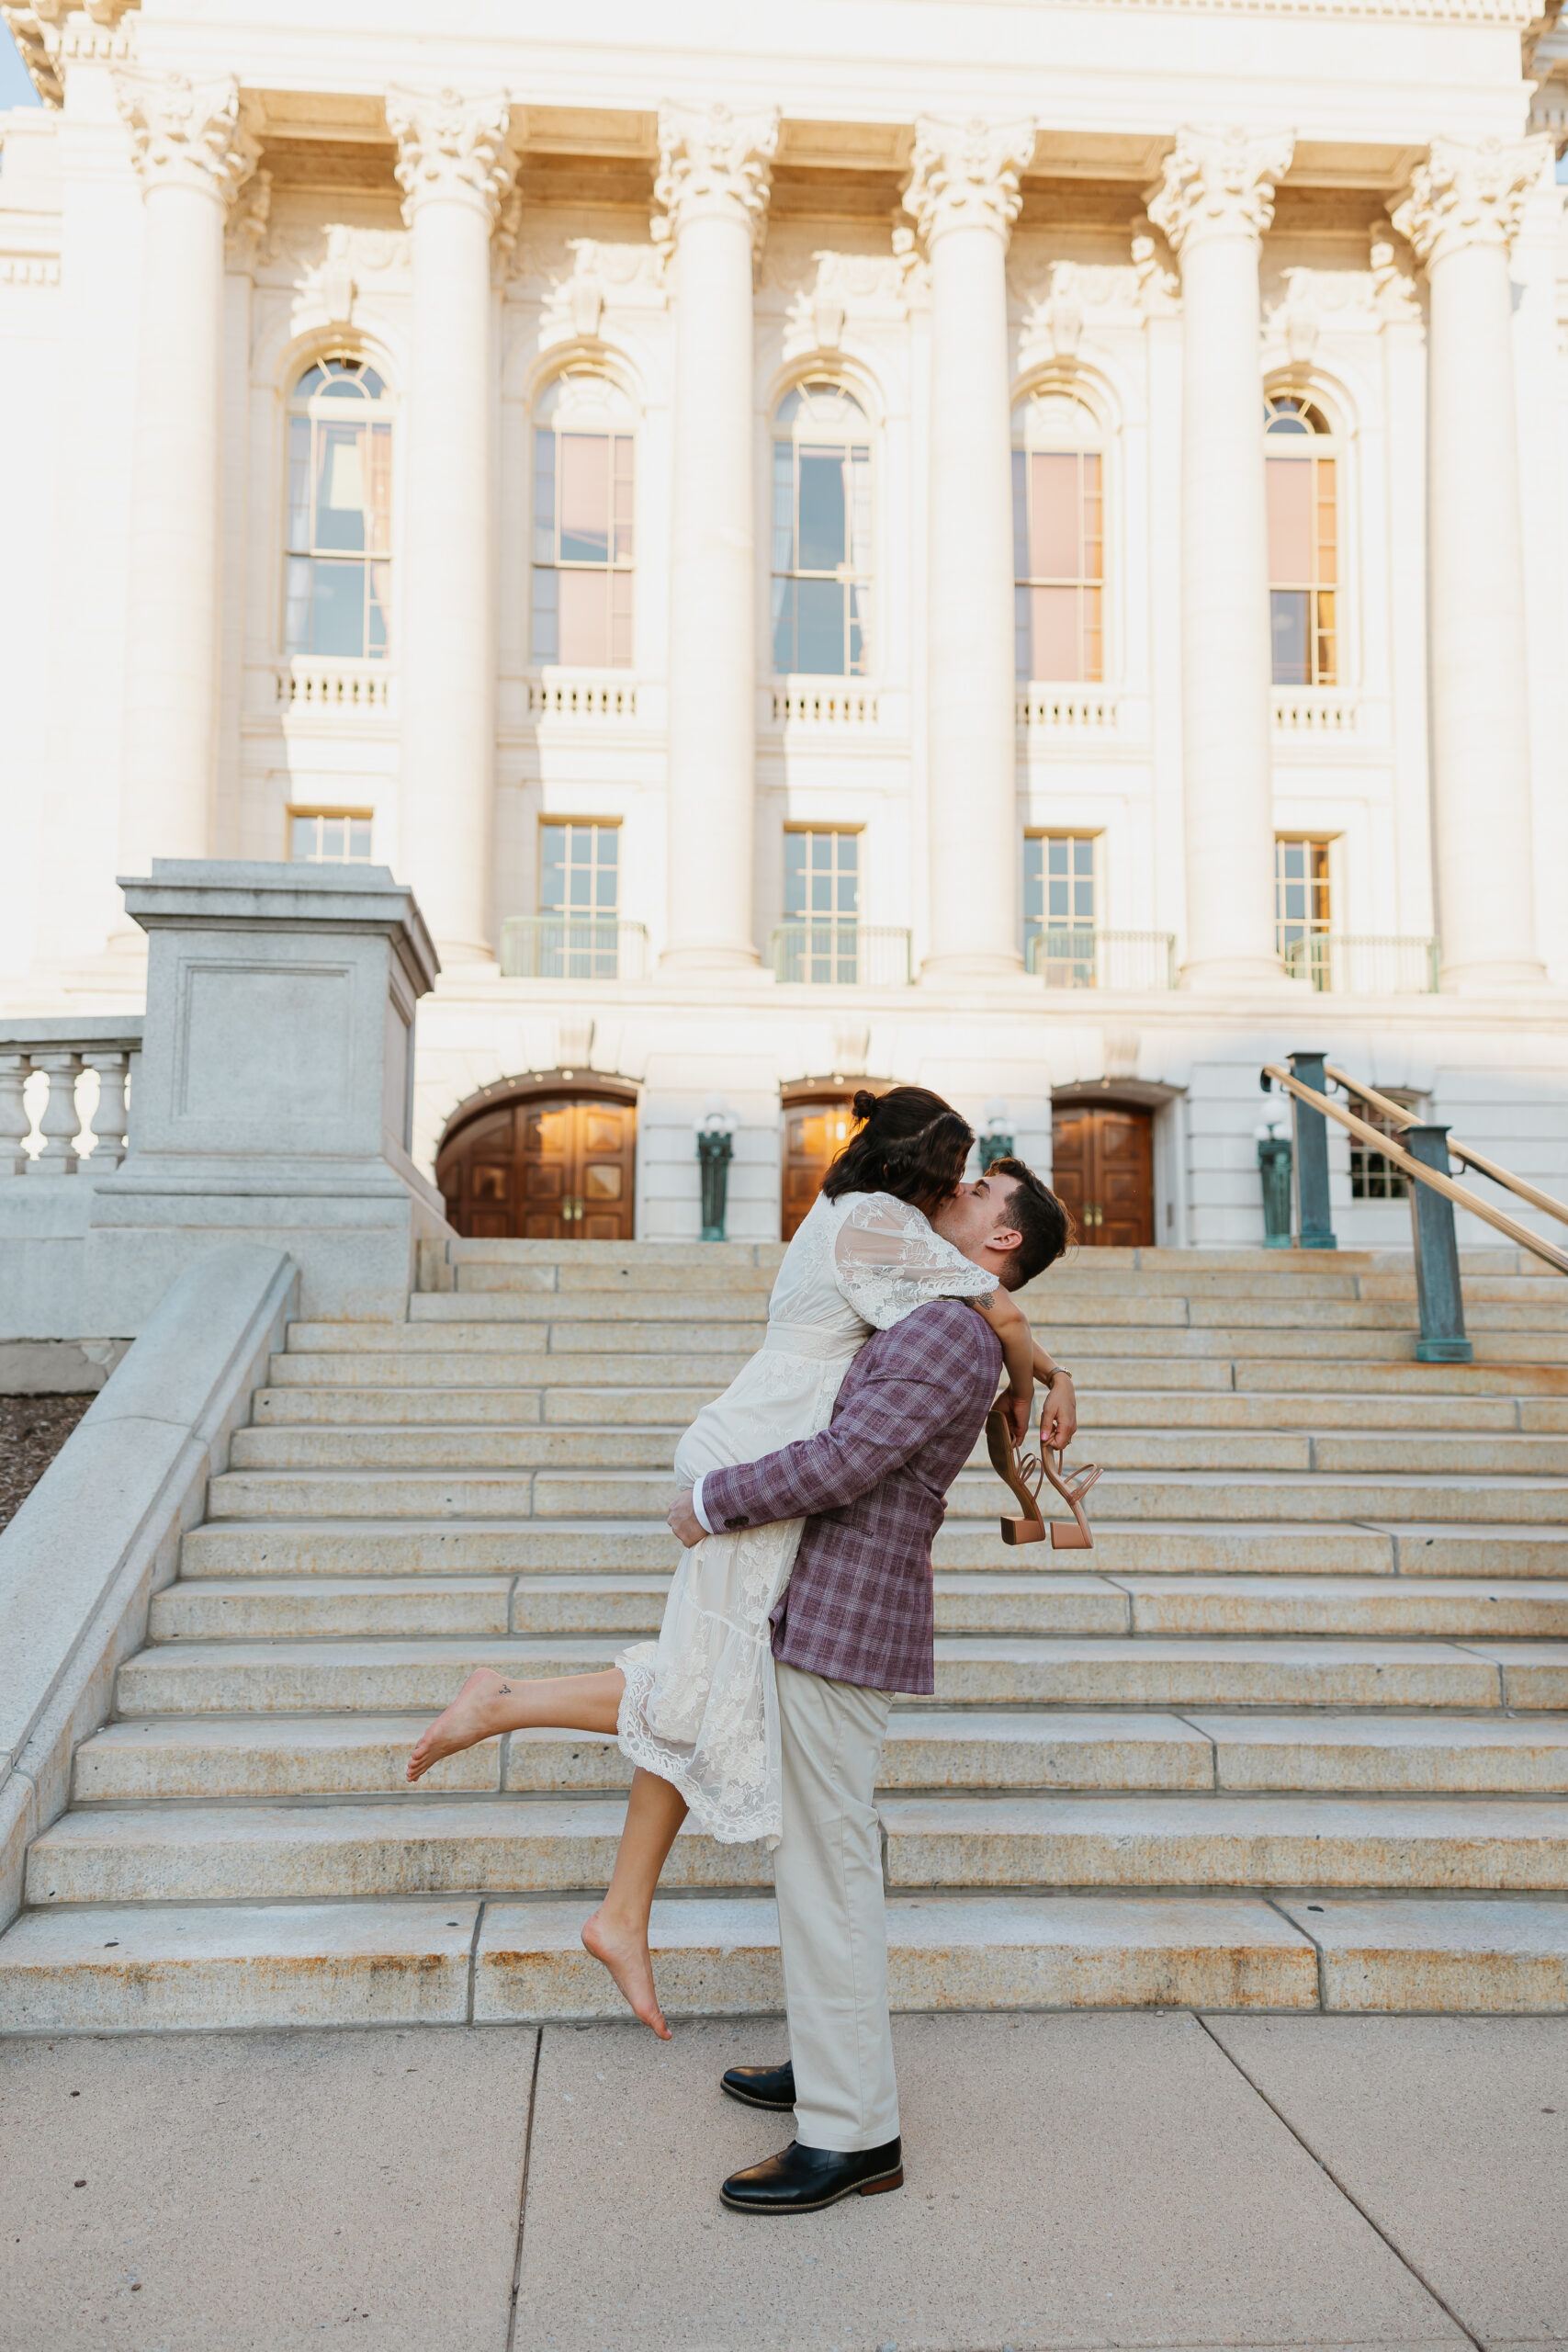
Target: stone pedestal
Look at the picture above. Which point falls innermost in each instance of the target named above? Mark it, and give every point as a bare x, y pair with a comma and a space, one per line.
275, 1092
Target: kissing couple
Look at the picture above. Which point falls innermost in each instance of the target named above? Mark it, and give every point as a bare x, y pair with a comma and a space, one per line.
810, 1492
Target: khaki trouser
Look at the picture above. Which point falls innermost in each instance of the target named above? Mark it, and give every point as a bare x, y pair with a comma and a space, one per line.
832, 1928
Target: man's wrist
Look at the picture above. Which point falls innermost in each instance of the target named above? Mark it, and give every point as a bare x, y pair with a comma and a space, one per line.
698, 1513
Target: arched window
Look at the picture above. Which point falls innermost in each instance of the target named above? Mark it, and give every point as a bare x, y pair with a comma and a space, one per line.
337, 561
584, 494
1058, 537
821, 563
1304, 541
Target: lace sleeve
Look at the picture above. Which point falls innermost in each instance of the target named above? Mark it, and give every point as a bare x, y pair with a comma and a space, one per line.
887, 1261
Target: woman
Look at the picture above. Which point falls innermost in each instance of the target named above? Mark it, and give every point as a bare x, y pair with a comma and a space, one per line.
695, 1711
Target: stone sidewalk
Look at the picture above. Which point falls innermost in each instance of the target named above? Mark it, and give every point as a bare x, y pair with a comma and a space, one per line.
1073, 2180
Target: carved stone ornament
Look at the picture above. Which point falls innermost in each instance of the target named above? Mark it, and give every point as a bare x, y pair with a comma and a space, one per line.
1469, 192
1159, 288
452, 146
713, 161
248, 220
1393, 289
964, 175
185, 134
1220, 183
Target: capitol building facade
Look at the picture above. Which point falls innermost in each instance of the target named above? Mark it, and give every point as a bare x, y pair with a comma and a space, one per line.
1013, 547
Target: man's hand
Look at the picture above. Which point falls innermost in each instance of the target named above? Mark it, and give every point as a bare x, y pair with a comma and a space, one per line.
684, 1524
1059, 1414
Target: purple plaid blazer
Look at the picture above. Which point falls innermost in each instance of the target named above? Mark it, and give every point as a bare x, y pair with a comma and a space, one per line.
872, 1488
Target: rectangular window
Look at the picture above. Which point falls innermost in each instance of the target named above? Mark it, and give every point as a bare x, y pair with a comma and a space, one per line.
1373, 1177
1303, 569
1059, 534
1302, 909
329, 836
821, 559
821, 909
337, 561
584, 486
580, 884
1060, 907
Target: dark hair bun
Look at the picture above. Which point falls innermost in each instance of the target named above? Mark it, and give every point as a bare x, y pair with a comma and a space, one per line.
865, 1104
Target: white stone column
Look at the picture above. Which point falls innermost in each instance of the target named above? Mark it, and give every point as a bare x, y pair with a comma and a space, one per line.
1215, 199
192, 153
963, 193
1464, 205
454, 162
713, 184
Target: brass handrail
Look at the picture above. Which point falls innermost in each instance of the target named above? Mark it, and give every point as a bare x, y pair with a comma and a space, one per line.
1407, 1119
1519, 1235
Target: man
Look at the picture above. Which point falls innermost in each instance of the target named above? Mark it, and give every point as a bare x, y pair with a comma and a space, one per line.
855, 1626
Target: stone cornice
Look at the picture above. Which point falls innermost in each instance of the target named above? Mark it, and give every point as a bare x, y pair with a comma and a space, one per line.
1219, 183
449, 145
711, 160
185, 134
1469, 192
964, 175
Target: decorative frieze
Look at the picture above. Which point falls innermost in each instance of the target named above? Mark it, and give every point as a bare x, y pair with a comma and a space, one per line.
53, 35
1219, 183
964, 175
186, 133
30, 269
582, 275
711, 160
452, 146
1469, 192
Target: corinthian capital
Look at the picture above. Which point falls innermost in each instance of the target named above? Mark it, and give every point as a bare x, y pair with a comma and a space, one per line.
713, 161
185, 134
1220, 183
964, 175
1469, 192
452, 146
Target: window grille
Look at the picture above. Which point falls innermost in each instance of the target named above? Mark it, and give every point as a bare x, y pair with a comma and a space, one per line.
1060, 899
1302, 477
1058, 533
584, 520
580, 884
1303, 907
329, 836
822, 874
337, 560
821, 534
1372, 1176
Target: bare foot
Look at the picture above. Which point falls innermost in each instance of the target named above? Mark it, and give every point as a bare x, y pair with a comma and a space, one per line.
625, 1954
472, 1716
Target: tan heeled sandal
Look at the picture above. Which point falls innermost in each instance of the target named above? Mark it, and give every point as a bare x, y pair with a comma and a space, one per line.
1023, 1474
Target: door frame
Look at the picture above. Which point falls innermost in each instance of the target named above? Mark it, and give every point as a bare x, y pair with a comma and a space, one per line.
573, 1086
796, 1094
1167, 1105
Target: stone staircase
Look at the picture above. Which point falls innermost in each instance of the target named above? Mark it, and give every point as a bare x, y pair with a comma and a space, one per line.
1294, 1735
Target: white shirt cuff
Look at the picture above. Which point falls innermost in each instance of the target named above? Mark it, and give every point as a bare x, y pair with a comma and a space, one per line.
698, 1513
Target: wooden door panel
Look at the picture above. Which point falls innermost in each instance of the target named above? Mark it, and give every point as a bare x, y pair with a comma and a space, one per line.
815, 1133
1102, 1169
544, 1170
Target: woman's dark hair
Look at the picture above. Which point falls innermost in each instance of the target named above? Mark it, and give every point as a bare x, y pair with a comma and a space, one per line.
910, 1143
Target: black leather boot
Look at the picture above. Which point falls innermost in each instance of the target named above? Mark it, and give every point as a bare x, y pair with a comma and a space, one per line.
770, 2087
802, 2180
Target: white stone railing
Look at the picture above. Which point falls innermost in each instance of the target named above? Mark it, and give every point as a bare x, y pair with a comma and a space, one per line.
581, 698
360, 686
61, 1081
824, 707
1081, 709
1309, 711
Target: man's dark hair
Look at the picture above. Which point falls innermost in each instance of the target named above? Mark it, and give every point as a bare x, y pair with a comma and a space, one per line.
1040, 1217
910, 1143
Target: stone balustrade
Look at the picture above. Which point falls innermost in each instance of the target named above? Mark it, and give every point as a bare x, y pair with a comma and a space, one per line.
61, 1081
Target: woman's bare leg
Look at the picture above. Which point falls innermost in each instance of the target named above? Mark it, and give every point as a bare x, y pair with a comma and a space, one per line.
490, 1703
617, 1932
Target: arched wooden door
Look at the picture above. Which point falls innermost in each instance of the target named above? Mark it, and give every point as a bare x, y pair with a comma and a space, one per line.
817, 1128
1102, 1168
542, 1168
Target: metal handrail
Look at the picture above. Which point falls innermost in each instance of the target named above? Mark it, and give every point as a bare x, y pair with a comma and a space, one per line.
1519, 1235
1404, 1117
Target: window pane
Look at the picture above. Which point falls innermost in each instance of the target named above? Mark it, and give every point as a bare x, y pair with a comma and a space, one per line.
543, 498
359, 837
1053, 522
378, 490
1033, 879
585, 618
552, 868
859, 510
819, 632
625, 497
1093, 635
784, 506
784, 626
299, 482
379, 580
303, 837
1020, 515
860, 602
1326, 661
585, 498
1328, 523
621, 621
823, 521
340, 488
297, 605
1093, 519
1288, 619
337, 612
1055, 632
1290, 522
547, 633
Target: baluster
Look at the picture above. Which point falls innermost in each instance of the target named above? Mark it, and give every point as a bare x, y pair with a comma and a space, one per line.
58, 1122
14, 1120
110, 1118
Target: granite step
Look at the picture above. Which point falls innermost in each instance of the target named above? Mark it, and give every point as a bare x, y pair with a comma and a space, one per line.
517, 1844
462, 1372
309, 1677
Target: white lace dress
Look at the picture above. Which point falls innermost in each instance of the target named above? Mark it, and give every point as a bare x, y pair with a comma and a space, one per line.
700, 1707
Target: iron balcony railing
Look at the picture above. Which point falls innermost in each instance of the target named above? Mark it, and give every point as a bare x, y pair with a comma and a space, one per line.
573, 947
1072, 955
1362, 966
834, 951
